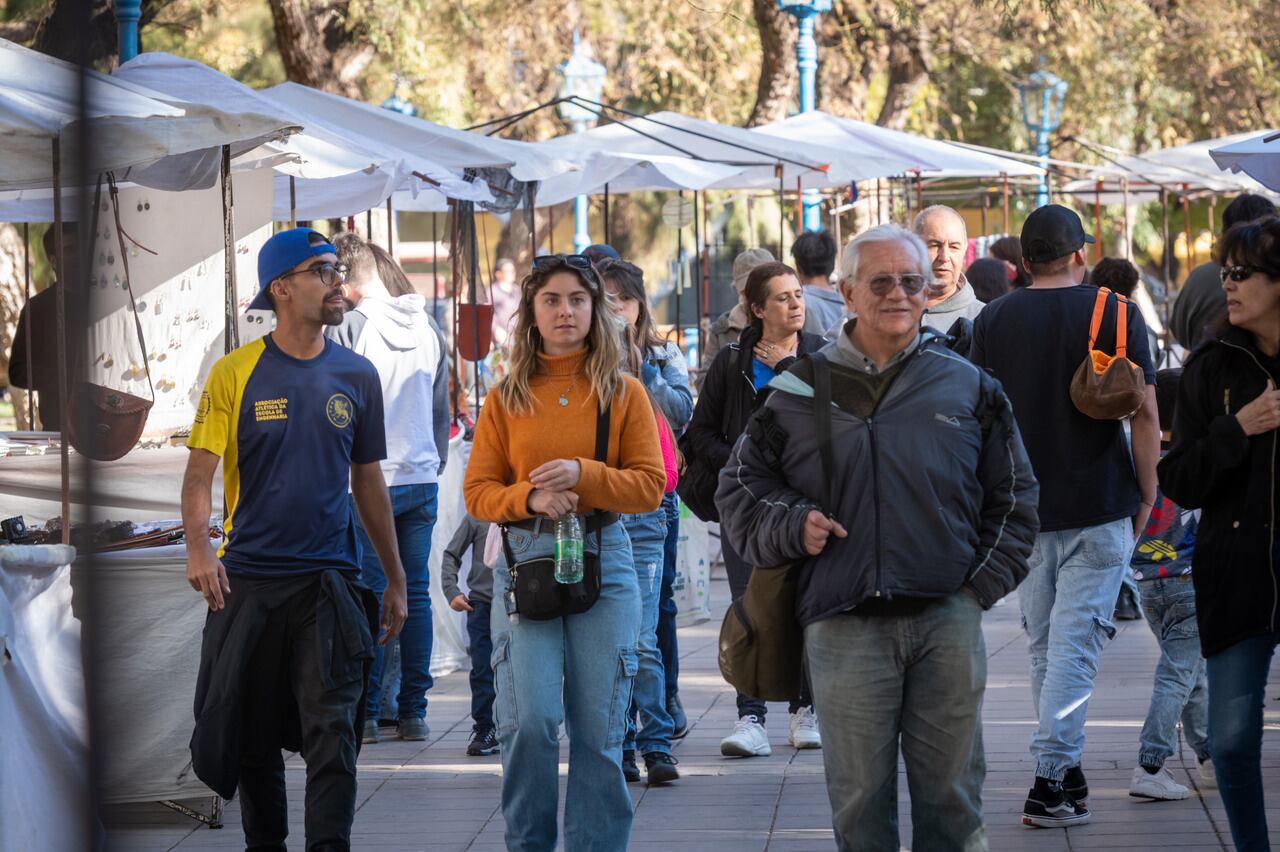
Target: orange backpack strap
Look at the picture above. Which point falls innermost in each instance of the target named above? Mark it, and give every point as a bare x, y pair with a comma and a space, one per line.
1122, 326
1099, 307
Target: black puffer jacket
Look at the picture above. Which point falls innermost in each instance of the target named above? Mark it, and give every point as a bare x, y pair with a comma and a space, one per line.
726, 398
934, 488
1215, 467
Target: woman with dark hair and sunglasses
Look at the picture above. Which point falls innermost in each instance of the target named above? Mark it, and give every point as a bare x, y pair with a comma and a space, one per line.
661, 367
1223, 461
533, 462
735, 386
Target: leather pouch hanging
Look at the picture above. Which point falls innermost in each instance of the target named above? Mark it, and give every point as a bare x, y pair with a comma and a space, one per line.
1108, 387
105, 423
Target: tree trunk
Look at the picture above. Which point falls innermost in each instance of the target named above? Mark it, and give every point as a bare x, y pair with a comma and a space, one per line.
848, 59
318, 49
910, 59
80, 30
777, 63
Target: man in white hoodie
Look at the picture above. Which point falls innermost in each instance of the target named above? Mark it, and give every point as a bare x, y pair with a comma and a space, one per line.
405, 345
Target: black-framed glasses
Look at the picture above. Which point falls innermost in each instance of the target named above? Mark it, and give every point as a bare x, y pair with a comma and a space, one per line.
330, 273
1237, 273
883, 284
577, 262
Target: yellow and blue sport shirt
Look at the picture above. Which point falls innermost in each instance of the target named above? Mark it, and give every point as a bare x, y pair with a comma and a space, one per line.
288, 431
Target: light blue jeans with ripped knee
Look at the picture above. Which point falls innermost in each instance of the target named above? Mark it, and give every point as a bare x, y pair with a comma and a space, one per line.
577, 669
1067, 601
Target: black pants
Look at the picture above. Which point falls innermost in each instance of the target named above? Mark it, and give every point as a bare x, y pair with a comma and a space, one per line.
329, 738
482, 688
739, 575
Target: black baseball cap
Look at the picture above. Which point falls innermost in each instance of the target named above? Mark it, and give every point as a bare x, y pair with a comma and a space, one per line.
1051, 232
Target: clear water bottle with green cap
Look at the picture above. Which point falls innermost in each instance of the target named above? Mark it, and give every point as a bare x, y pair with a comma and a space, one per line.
568, 549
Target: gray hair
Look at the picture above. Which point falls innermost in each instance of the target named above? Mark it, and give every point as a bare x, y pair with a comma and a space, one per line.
917, 224
851, 255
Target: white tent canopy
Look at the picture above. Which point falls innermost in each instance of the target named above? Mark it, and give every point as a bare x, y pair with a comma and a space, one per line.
755, 156
624, 172
1258, 156
333, 174
1181, 168
129, 124
385, 130
892, 152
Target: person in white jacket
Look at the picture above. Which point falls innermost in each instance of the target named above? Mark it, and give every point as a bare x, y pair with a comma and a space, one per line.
398, 334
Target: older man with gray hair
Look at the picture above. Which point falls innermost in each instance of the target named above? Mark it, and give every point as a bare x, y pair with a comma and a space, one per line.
890, 471
947, 238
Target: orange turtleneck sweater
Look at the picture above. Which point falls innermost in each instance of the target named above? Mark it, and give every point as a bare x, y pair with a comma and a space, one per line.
508, 448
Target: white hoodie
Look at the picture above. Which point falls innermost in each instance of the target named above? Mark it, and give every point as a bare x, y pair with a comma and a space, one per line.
404, 344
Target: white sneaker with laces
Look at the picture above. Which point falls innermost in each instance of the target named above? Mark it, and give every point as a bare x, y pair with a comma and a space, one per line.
1159, 786
747, 740
1208, 775
804, 729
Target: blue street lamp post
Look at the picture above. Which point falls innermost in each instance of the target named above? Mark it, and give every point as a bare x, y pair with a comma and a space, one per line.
395, 103
583, 78
128, 14
805, 13
1042, 96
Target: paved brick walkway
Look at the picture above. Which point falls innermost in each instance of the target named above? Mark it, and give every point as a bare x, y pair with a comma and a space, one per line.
430, 796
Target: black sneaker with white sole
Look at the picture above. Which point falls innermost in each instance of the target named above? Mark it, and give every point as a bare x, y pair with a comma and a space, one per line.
1075, 785
484, 741
1050, 806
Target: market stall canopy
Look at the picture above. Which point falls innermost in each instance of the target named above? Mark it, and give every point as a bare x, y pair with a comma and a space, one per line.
892, 152
385, 129
1258, 156
1189, 168
128, 125
334, 174
754, 155
624, 172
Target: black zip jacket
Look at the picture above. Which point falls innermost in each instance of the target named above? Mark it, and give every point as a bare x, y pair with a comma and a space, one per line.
1215, 467
728, 396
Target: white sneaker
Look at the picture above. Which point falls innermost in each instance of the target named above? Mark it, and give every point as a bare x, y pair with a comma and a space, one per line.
1208, 775
747, 740
804, 729
1159, 786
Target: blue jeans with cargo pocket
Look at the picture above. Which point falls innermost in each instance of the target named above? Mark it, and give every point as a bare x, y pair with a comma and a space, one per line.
577, 669
1067, 601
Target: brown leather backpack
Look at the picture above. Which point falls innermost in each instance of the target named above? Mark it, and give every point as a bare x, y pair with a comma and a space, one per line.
1108, 387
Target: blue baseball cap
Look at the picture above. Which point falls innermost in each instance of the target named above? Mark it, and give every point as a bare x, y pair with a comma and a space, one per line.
601, 251
283, 252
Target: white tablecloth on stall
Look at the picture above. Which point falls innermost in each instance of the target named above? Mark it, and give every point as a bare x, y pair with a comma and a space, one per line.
44, 764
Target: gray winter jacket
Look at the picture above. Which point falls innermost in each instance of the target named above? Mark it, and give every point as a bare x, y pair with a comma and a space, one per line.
934, 489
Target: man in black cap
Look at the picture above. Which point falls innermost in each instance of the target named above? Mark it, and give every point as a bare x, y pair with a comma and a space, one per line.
1094, 496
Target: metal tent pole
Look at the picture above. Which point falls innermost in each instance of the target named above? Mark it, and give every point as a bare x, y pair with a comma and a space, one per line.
1128, 243
60, 301
230, 328
1004, 177
782, 206
1186, 229
391, 223
986, 204
608, 236
679, 323
293, 203
705, 310
1097, 220
26, 300
697, 264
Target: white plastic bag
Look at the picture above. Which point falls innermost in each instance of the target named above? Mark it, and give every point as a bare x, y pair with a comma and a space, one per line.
692, 586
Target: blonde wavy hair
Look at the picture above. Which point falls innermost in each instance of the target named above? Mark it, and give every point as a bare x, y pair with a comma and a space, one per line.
603, 361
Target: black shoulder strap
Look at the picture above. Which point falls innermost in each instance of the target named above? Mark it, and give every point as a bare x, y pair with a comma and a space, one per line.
822, 423
602, 433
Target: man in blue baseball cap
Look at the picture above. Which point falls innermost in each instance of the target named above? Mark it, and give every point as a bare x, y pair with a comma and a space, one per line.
293, 418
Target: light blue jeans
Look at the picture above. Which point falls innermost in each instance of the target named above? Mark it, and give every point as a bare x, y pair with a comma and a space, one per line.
918, 679
1181, 686
1067, 601
648, 534
577, 669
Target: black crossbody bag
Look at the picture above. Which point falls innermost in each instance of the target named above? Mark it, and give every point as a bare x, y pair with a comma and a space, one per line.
538, 597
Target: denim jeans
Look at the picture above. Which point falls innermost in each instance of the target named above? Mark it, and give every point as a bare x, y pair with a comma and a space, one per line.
739, 575
918, 679
577, 669
480, 646
1067, 601
668, 646
1237, 680
414, 509
329, 744
1181, 689
648, 534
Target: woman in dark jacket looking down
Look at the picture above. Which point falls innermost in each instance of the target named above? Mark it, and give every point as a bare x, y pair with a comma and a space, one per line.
1223, 461
735, 385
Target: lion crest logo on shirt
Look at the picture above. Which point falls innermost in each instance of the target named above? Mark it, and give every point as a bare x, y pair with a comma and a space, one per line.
340, 410
202, 410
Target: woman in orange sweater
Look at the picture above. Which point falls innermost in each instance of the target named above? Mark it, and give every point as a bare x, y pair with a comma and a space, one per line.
533, 460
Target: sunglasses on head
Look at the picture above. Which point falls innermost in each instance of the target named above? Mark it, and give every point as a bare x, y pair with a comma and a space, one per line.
578, 262
1238, 273
883, 284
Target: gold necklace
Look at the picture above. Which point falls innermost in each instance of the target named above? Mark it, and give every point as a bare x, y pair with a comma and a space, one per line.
564, 394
